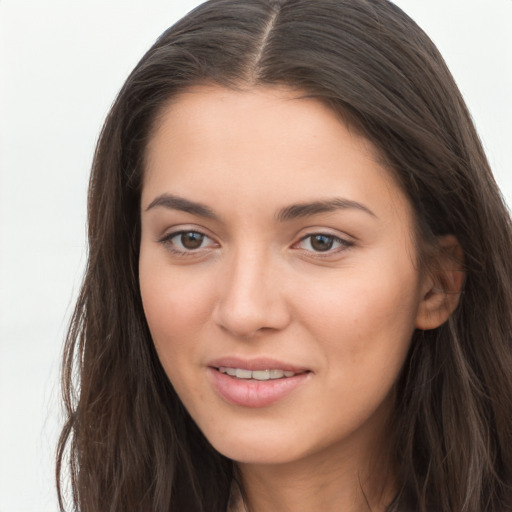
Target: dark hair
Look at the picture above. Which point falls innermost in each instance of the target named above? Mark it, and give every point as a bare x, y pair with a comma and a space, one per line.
128, 441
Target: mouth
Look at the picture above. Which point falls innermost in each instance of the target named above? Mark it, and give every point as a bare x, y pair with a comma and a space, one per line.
255, 383
267, 374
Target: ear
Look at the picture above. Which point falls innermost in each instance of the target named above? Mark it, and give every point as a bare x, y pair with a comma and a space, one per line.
442, 287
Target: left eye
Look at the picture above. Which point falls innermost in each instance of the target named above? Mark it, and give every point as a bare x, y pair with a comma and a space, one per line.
320, 242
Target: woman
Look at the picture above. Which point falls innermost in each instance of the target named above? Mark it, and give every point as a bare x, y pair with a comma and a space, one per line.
298, 290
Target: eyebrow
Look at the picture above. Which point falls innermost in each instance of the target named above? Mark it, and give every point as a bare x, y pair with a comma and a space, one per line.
294, 211
300, 210
172, 202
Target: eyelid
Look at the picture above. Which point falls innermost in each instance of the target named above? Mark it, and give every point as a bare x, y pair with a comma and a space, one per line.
175, 229
345, 243
166, 240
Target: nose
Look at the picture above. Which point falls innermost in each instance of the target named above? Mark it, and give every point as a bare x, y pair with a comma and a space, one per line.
250, 300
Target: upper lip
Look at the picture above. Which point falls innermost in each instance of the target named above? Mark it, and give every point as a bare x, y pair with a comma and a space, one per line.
259, 363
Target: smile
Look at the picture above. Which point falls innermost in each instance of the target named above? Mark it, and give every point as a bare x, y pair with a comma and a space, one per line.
256, 383
269, 374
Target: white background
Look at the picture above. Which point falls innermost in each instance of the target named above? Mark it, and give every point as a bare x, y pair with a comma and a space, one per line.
61, 64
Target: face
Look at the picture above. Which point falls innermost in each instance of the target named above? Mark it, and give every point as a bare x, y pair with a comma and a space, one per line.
278, 273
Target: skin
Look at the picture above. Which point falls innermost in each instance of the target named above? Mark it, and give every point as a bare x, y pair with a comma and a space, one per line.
257, 286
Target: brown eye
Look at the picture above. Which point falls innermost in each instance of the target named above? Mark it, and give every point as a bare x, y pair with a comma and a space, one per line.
191, 240
322, 242
188, 243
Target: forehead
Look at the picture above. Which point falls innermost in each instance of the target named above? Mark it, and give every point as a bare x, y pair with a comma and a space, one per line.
268, 145
220, 117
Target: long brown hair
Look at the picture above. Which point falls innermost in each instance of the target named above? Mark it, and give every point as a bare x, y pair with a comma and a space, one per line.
128, 442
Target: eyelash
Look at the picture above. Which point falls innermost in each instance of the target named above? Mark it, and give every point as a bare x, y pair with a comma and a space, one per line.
343, 244
167, 240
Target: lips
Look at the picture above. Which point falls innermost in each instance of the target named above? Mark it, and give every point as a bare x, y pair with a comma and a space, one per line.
268, 374
256, 382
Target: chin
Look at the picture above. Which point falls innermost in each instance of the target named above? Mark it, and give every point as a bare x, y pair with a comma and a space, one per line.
259, 447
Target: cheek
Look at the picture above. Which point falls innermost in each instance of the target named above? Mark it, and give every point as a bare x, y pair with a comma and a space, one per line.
363, 329
175, 311
366, 319
176, 307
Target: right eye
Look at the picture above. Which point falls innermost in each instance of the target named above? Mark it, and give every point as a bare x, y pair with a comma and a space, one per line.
187, 241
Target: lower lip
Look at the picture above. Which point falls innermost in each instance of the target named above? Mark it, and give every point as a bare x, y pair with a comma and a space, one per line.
254, 393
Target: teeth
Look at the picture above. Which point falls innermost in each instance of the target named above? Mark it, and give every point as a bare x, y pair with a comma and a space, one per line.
269, 374
261, 374
243, 374
277, 374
